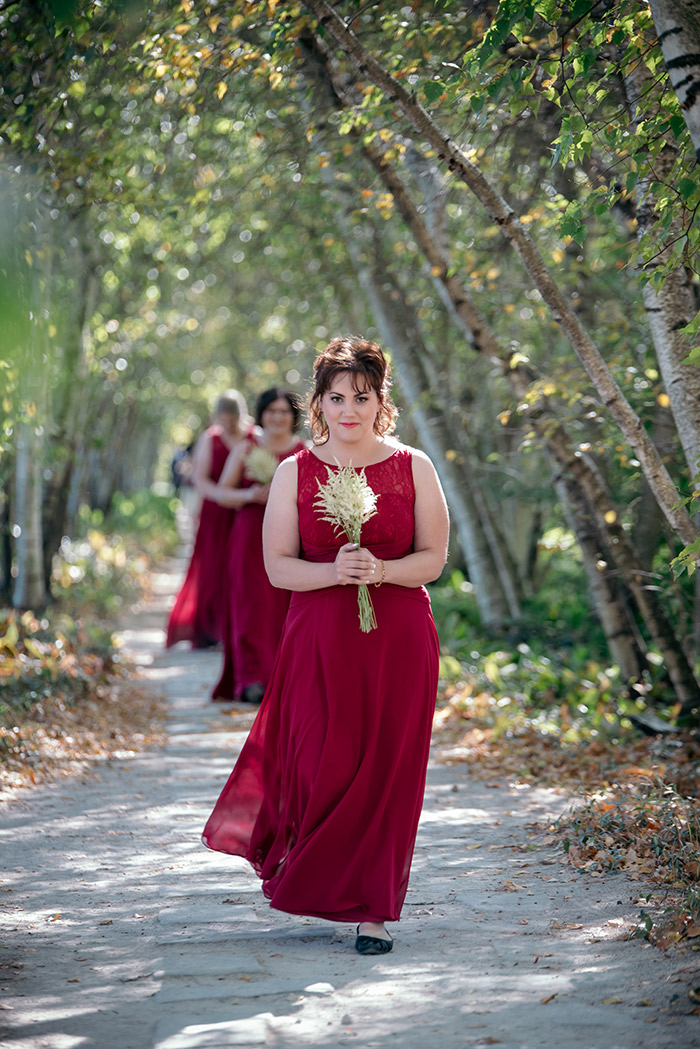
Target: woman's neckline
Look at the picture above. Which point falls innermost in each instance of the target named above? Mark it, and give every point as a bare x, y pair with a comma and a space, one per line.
335, 466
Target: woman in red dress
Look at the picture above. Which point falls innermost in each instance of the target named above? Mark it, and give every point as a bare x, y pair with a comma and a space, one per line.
325, 797
199, 614
256, 609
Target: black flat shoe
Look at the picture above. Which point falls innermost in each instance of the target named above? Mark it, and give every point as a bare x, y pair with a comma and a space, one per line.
253, 693
373, 944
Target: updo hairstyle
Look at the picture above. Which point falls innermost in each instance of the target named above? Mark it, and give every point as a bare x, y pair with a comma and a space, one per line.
369, 370
266, 399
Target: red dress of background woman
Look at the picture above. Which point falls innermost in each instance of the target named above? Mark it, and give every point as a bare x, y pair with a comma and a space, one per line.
199, 614
257, 609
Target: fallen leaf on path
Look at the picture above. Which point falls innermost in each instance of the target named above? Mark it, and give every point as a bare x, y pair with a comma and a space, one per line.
556, 924
108, 921
612, 1001
643, 1002
546, 1001
509, 886
524, 921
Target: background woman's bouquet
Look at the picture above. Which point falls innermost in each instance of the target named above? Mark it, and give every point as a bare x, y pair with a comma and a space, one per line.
260, 464
346, 501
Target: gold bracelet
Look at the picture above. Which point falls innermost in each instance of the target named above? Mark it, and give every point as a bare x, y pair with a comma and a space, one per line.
383, 573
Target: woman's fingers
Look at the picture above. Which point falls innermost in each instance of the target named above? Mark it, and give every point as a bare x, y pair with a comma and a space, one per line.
355, 565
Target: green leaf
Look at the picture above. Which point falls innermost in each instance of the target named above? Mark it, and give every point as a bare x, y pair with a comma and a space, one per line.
433, 90
686, 187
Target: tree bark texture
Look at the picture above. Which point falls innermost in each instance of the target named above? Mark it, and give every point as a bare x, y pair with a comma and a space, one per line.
29, 590
677, 25
609, 601
503, 215
670, 307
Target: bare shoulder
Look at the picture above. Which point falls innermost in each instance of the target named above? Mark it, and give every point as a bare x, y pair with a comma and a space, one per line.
285, 479
422, 465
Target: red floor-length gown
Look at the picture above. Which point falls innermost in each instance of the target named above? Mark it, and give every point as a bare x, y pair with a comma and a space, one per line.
256, 609
325, 797
199, 614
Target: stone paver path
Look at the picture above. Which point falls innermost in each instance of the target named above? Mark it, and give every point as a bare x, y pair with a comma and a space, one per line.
119, 931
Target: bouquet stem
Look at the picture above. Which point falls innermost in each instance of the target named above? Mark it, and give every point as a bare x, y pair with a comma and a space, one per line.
368, 620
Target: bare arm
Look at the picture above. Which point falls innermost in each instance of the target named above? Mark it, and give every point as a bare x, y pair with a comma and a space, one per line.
201, 462
432, 531
227, 492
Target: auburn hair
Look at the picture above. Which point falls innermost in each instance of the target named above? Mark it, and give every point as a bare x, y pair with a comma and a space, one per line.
368, 368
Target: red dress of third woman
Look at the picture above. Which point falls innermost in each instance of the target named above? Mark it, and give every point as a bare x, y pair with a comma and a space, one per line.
257, 609
199, 613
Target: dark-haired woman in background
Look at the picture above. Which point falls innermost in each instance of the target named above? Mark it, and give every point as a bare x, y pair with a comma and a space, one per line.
257, 610
325, 797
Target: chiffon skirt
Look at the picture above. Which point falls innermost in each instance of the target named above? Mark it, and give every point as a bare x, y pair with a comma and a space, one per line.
325, 798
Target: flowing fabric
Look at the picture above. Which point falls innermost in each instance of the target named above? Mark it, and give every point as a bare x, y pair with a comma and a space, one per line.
256, 609
325, 798
199, 614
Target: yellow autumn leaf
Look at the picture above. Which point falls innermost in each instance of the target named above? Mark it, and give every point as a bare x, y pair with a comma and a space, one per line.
664, 400
610, 517
275, 78
221, 89
161, 69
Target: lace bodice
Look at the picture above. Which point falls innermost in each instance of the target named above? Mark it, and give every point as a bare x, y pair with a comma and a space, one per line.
388, 534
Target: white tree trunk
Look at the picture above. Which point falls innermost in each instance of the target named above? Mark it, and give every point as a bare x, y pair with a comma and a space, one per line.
503, 215
29, 590
614, 616
672, 306
677, 25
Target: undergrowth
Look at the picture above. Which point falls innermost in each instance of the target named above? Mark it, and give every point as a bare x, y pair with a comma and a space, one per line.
65, 695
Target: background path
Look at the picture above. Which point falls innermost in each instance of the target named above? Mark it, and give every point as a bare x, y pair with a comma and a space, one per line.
119, 931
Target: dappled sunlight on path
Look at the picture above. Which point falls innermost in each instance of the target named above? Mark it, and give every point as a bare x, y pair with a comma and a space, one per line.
120, 930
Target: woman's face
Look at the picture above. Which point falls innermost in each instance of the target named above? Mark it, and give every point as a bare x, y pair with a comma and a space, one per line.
278, 417
350, 413
229, 422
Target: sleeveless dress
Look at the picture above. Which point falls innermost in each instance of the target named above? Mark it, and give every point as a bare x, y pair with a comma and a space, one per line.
256, 609
199, 614
325, 797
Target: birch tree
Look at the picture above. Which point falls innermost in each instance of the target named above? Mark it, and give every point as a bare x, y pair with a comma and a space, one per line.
678, 27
